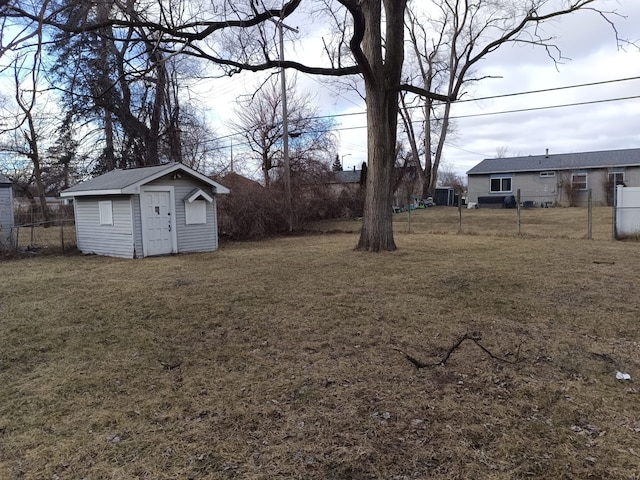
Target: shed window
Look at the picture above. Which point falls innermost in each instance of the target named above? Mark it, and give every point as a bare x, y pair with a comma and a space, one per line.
106, 212
196, 212
579, 181
547, 174
500, 184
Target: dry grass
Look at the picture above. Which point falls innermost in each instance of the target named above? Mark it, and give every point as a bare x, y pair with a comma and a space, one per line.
535, 222
51, 239
276, 360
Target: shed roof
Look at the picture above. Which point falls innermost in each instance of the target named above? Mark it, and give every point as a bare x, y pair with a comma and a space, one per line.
129, 181
562, 161
4, 180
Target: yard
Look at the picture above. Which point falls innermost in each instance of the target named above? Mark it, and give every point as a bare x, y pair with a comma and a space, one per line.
286, 359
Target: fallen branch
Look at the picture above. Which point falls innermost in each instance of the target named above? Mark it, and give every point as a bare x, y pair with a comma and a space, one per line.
475, 337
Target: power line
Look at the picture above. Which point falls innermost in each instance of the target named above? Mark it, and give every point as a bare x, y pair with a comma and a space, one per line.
552, 89
473, 115
504, 95
547, 107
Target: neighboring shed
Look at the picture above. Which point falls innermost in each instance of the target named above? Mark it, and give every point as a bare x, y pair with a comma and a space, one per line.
146, 211
6, 211
446, 196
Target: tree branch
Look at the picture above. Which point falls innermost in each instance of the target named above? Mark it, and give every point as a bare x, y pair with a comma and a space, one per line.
475, 337
424, 93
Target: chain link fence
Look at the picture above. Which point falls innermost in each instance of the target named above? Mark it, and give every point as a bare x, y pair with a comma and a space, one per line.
35, 231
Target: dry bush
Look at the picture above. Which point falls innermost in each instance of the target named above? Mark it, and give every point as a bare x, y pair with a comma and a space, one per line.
251, 211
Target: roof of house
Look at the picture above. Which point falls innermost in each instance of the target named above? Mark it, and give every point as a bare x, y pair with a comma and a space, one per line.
4, 180
129, 181
561, 161
346, 176
237, 181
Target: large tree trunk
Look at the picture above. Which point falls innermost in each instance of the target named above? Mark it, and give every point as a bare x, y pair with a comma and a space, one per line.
34, 153
381, 89
377, 227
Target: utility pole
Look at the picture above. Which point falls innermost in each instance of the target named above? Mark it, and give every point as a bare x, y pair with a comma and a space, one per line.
285, 125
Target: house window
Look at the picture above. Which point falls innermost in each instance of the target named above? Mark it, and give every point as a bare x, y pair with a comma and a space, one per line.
500, 184
196, 212
616, 178
105, 208
579, 181
547, 174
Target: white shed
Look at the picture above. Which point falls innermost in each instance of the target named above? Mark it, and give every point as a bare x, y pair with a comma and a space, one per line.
140, 212
6, 212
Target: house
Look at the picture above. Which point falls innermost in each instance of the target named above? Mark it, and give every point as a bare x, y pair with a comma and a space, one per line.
345, 181
6, 211
560, 179
146, 211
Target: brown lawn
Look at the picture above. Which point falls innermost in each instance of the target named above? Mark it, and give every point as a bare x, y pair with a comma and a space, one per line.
280, 359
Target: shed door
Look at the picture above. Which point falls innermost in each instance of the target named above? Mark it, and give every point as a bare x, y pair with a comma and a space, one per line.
157, 235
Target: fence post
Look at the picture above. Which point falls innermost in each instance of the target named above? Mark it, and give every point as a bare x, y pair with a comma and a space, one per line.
518, 209
460, 212
62, 235
32, 227
590, 216
614, 222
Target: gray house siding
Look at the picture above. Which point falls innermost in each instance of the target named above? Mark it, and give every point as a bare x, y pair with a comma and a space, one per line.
192, 238
533, 187
112, 240
6, 213
556, 189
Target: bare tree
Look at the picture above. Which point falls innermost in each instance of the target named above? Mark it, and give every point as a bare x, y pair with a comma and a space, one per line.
502, 152
448, 177
26, 64
236, 36
447, 43
259, 121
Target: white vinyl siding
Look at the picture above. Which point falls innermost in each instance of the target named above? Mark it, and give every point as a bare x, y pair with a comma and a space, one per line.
137, 226
114, 240
6, 214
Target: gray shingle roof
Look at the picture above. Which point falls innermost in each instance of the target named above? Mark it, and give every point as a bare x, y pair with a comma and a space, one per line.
129, 180
562, 161
346, 176
4, 180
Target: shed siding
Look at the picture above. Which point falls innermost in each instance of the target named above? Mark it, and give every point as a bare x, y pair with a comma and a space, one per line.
6, 214
137, 226
113, 240
192, 238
